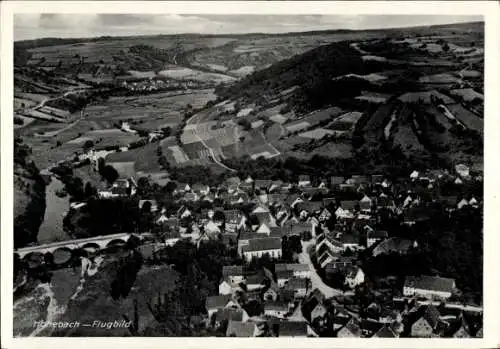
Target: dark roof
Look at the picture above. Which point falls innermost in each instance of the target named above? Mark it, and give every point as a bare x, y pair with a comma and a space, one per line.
377, 234
291, 266
119, 190
349, 204
263, 217
377, 178
358, 179
431, 314
291, 228
309, 206
385, 332
335, 180
217, 302
284, 274
262, 183
297, 283
263, 244
240, 329
303, 178
394, 244
434, 283
232, 270
328, 201
231, 215
354, 327
229, 314
416, 214
370, 326
277, 305
292, 328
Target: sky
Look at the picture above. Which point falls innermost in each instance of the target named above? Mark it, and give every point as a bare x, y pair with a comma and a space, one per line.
34, 26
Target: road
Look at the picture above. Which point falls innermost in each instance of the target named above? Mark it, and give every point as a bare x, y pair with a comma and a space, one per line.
316, 281
210, 150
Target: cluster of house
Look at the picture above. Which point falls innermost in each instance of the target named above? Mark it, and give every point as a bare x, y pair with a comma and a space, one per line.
255, 216
287, 307
152, 84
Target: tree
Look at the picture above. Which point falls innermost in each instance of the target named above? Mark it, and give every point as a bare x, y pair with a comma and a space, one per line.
245, 124
89, 191
109, 173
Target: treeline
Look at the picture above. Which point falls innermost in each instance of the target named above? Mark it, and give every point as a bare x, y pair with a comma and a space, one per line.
448, 246
28, 186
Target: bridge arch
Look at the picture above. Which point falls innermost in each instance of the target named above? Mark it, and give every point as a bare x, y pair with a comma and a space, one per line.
62, 255
90, 247
34, 259
116, 242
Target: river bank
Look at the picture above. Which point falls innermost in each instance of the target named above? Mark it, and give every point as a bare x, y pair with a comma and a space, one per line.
51, 229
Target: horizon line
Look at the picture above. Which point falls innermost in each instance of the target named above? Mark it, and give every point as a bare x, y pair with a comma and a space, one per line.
308, 32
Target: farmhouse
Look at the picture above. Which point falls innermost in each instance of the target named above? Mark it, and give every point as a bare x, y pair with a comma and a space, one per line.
276, 309
298, 270
216, 303
431, 287
256, 248
241, 329
426, 323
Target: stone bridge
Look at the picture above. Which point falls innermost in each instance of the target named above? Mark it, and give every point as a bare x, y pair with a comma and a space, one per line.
95, 243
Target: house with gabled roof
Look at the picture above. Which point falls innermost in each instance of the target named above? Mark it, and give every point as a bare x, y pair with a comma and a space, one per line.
304, 181
431, 287
365, 204
282, 276
298, 286
336, 181
277, 309
426, 323
295, 329
394, 244
386, 331
223, 316
377, 178
354, 277
299, 270
324, 215
374, 236
219, 302
256, 248
262, 184
241, 329
351, 329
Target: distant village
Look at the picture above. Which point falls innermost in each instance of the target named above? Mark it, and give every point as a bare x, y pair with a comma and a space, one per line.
259, 217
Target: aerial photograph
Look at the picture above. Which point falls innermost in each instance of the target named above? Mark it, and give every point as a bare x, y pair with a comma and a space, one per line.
244, 175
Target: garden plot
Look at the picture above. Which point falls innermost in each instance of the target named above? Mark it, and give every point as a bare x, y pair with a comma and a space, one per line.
185, 74
373, 77
445, 78
21, 103
279, 119
469, 119
55, 112
317, 133
178, 153
467, 94
142, 74
298, 126
425, 96
373, 97
243, 71
109, 137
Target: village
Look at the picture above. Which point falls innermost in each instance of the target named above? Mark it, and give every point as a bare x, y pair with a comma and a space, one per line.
303, 249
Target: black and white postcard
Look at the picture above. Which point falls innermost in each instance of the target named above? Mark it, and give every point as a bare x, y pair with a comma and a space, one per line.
317, 176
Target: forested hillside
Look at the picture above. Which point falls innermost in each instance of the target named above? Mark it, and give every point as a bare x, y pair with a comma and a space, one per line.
29, 196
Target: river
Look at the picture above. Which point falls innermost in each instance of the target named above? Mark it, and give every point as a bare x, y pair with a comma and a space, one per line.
51, 229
